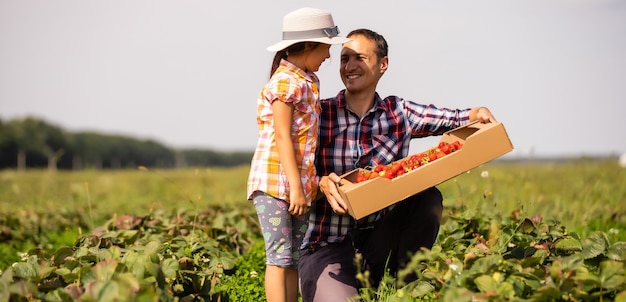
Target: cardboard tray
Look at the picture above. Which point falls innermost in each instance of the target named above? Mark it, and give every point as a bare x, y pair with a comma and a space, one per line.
482, 142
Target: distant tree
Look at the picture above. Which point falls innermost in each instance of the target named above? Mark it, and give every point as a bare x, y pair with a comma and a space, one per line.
30, 142
114, 151
199, 158
33, 137
8, 148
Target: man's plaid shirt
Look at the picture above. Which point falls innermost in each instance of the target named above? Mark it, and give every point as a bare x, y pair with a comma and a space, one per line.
382, 136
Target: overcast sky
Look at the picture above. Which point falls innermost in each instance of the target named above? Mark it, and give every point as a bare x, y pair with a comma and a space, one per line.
187, 73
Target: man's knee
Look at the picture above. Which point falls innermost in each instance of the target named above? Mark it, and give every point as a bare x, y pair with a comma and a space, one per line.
429, 201
328, 270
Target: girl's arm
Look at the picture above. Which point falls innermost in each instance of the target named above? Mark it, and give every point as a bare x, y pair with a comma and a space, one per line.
283, 113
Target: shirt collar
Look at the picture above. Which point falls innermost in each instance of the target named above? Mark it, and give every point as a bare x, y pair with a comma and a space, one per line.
309, 76
341, 101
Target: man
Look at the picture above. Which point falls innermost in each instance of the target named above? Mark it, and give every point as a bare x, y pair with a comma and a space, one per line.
359, 129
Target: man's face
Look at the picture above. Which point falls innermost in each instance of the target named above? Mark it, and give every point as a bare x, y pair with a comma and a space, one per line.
360, 68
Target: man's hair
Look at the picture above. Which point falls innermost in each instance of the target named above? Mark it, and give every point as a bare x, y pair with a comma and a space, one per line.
381, 44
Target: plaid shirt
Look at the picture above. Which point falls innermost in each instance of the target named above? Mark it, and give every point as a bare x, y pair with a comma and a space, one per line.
291, 85
382, 136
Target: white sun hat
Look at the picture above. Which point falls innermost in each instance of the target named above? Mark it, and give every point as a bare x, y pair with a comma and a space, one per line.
308, 24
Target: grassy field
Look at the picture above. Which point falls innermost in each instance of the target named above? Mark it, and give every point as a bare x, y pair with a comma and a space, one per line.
583, 195
104, 193
44, 210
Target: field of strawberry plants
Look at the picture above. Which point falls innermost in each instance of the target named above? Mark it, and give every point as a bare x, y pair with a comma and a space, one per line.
518, 231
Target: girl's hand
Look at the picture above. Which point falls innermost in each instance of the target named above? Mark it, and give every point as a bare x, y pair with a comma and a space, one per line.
297, 203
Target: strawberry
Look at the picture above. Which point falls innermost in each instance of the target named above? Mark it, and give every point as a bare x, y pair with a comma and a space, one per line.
432, 156
362, 175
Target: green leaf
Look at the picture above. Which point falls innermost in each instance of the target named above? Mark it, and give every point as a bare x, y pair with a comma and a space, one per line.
540, 255
106, 291
104, 270
5, 280
421, 289
458, 294
72, 264
568, 245
525, 282
617, 251
152, 247
60, 295
485, 264
62, 254
594, 245
130, 258
614, 282
218, 222
62, 271
585, 277
152, 268
556, 270
547, 294
128, 234
114, 252
505, 290
222, 261
68, 276
169, 267
486, 283
130, 281
24, 270
147, 295
611, 274
526, 226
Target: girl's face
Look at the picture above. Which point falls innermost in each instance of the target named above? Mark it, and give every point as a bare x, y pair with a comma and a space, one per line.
317, 56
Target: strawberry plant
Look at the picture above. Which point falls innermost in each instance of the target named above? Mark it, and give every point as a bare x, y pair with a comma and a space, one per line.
478, 258
57, 245
153, 257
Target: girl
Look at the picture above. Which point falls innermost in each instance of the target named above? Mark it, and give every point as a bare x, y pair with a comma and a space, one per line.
283, 180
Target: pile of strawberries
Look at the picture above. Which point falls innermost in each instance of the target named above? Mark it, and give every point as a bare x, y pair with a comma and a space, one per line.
410, 163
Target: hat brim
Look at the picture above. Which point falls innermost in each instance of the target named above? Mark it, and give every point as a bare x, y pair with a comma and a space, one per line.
286, 43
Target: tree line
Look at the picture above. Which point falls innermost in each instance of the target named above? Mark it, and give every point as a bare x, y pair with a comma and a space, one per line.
34, 143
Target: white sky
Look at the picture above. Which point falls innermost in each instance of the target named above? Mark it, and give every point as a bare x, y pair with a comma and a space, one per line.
187, 73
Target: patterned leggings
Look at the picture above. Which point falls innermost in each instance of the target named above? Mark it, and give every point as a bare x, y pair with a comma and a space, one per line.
282, 232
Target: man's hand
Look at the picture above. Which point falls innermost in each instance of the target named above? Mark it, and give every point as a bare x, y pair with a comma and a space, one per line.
482, 114
328, 186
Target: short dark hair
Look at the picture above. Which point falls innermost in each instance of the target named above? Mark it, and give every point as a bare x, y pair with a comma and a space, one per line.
382, 49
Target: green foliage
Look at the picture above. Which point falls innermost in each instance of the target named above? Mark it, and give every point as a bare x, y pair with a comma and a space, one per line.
524, 232
485, 258
246, 284
23, 230
98, 195
164, 256
585, 195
